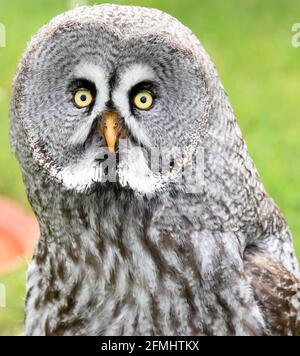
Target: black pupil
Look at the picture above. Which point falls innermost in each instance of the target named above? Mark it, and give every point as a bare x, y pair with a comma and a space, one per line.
143, 100
83, 98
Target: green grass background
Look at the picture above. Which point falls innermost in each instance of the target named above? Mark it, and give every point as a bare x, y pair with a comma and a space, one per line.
250, 42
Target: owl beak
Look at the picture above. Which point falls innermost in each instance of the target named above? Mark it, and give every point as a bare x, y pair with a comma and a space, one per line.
110, 130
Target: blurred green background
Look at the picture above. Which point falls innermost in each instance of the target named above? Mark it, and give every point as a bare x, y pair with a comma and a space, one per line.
251, 43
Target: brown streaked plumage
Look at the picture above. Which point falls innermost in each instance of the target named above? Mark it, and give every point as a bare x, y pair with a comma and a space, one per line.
276, 290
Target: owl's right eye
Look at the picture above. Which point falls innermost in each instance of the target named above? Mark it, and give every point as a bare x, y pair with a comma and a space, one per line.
83, 98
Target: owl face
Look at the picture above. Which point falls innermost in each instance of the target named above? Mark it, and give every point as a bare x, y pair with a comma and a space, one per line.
91, 86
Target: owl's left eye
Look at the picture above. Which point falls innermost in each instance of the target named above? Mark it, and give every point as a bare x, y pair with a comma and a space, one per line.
143, 100
83, 98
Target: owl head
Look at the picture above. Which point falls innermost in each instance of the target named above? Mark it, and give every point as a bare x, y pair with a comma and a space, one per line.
102, 91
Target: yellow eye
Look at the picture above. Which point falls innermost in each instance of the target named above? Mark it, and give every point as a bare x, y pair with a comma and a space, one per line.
83, 98
144, 100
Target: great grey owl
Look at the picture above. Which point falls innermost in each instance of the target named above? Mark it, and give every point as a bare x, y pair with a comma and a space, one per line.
170, 232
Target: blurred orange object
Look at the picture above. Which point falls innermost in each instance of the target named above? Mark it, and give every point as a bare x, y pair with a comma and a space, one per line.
19, 232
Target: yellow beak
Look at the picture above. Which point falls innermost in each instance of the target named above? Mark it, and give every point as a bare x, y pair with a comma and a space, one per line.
111, 130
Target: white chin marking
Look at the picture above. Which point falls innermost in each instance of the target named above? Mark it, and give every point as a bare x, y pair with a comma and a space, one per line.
135, 173
80, 176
